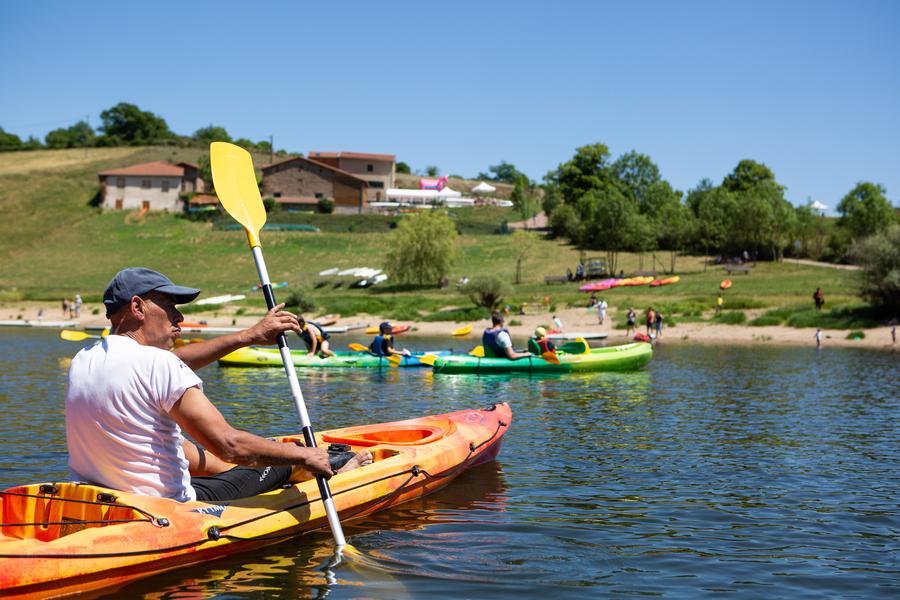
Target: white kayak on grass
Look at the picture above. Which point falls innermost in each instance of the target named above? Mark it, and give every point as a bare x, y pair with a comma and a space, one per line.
327, 272
220, 299
574, 335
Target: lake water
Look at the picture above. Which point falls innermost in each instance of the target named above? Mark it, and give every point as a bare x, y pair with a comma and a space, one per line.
749, 472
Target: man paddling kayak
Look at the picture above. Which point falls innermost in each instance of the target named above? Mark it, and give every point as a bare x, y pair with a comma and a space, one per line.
496, 340
129, 399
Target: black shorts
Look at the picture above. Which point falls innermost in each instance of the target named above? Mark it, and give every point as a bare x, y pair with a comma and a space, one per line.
240, 482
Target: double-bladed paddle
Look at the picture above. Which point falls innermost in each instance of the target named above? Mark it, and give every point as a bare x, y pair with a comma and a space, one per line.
236, 187
393, 359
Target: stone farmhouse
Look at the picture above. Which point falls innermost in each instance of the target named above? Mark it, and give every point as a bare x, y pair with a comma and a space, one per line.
149, 186
377, 170
299, 183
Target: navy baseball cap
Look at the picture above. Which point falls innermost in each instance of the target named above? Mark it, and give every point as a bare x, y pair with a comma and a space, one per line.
137, 281
385, 326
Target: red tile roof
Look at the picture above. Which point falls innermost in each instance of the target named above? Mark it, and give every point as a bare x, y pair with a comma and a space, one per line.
296, 200
160, 169
360, 155
201, 199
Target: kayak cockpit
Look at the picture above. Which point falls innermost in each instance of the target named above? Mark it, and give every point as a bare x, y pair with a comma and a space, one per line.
49, 511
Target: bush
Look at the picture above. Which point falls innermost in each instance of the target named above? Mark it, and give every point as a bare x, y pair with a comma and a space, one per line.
269, 204
766, 321
325, 206
487, 291
299, 301
730, 318
879, 256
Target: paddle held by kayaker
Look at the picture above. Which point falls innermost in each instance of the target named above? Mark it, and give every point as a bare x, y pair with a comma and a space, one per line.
129, 399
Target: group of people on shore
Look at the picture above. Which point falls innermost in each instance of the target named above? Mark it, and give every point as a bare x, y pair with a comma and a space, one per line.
71, 308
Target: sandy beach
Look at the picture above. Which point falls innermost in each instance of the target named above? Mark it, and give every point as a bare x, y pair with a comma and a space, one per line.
573, 319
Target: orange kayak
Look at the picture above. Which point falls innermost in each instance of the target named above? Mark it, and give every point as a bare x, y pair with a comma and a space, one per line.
63, 538
726, 283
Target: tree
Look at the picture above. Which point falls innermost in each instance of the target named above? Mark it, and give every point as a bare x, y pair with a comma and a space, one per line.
523, 198
613, 223
551, 198
715, 209
813, 231
432, 171
126, 124
402, 167
422, 248
79, 135
638, 174
524, 244
211, 133
487, 291
865, 210
674, 229
746, 175
205, 167
587, 170
879, 256
9, 141
505, 172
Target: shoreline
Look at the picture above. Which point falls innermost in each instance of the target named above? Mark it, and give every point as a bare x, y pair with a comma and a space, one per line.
578, 319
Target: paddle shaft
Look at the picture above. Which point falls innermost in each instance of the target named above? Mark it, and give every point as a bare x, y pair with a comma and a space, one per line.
305, 426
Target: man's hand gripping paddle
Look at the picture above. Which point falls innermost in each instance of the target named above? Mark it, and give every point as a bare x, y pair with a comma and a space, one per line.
235, 183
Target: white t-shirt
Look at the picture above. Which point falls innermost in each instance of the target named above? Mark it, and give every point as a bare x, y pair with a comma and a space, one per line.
503, 340
118, 429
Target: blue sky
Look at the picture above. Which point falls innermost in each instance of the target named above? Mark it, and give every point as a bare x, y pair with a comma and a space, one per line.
811, 88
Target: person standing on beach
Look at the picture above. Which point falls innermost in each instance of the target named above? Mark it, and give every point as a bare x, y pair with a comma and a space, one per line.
651, 320
65, 308
78, 304
818, 338
720, 302
601, 310
658, 323
557, 322
630, 319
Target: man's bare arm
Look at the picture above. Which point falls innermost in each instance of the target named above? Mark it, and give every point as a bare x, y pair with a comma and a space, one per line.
202, 421
265, 332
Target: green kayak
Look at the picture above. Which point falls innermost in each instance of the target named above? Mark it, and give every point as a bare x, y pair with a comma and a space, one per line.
614, 358
271, 357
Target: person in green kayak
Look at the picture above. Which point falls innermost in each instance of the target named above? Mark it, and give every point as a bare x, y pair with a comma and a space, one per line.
130, 396
496, 340
383, 343
539, 344
315, 338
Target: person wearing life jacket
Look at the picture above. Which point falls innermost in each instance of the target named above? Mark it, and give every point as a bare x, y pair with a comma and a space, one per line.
539, 344
383, 343
496, 340
315, 338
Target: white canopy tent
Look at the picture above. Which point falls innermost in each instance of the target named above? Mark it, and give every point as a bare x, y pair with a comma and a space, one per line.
819, 206
484, 188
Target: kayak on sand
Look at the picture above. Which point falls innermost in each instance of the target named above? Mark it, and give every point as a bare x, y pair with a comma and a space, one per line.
255, 356
63, 538
628, 357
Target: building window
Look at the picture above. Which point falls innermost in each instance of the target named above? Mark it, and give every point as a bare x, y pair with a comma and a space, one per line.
376, 184
119, 203
370, 168
120, 182
320, 195
145, 183
278, 194
165, 185
145, 205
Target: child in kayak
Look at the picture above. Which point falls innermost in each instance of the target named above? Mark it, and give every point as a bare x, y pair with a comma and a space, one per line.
383, 343
539, 344
315, 338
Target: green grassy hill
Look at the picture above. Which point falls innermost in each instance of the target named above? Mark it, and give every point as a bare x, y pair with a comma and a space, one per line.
53, 243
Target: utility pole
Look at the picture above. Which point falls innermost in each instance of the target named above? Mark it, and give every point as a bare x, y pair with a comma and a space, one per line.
271, 149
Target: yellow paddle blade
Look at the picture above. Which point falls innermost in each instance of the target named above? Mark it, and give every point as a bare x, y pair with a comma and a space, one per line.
550, 357
394, 360
428, 359
462, 331
477, 351
75, 336
235, 183
357, 347
105, 332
